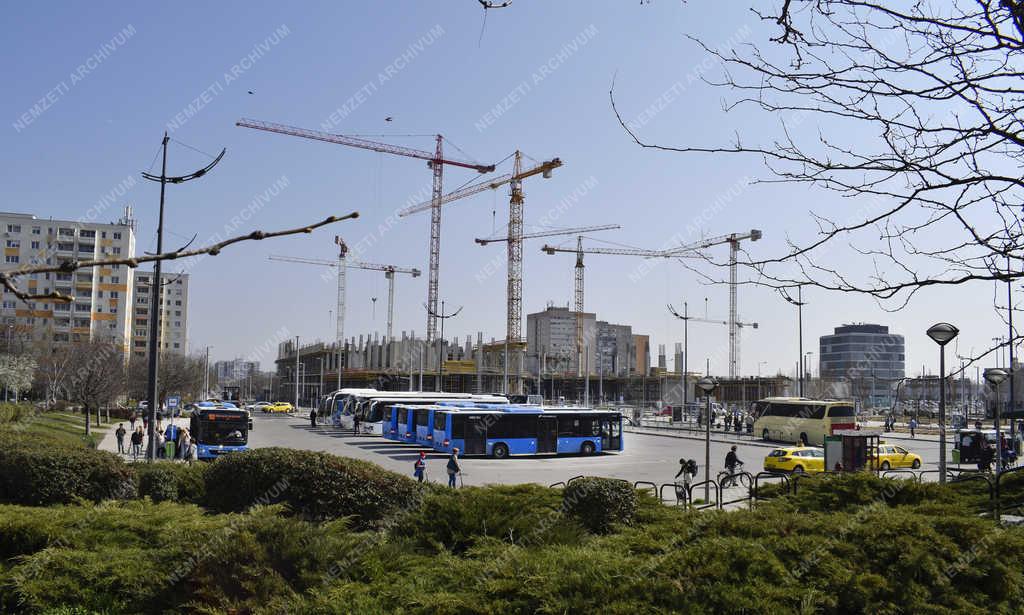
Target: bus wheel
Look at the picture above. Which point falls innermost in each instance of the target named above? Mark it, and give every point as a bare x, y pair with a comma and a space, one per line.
764, 435
587, 448
500, 451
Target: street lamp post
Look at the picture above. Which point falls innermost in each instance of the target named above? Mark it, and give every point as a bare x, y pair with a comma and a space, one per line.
799, 303
995, 377
296, 373
440, 344
942, 333
685, 317
707, 384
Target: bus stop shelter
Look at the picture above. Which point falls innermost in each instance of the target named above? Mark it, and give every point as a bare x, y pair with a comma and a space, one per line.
852, 450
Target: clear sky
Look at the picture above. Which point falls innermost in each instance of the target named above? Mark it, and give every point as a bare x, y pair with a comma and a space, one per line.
113, 76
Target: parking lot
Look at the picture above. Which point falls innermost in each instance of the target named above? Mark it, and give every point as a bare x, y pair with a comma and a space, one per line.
649, 455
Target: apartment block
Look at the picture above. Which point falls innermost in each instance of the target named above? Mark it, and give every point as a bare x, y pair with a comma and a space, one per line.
173, 313
102, 295
235, 371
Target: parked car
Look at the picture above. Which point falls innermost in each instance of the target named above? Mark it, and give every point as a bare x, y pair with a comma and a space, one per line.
891, 456
279, 407
795, 460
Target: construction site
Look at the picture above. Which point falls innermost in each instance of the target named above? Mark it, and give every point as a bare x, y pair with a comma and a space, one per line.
566, 354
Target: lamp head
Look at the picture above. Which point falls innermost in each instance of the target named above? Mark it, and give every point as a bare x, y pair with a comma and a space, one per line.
995, 376
942, 333
707, 384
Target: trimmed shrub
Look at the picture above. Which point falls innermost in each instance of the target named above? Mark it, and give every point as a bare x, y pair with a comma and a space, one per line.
35, 473
13, 413
599, 503
313, 485
172, 482
457, 519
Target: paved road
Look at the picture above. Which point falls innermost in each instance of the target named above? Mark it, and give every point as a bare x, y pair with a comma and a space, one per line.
648, 457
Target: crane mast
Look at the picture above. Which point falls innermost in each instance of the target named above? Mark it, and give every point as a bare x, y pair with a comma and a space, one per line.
435, 161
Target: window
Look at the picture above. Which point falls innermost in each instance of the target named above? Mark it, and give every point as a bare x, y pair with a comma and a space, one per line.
114, 294
37, 230
841, 411
13, 228
87, 248
86, 233
65, 246
177, 303
115, 279
177, 323
141, 301
99, 294
11, 259
177, 313
140, 344
66, 232
141, 311
177, 345
141, 321
10, 305
62, 307
13, 243
117, 235
35, 245
103, 234
513, 426
116, 250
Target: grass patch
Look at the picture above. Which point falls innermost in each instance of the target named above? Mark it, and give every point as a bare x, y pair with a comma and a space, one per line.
66, 428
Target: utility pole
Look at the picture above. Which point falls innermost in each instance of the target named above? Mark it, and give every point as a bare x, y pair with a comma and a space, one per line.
206, 375
155, 308
296, 373
799, 303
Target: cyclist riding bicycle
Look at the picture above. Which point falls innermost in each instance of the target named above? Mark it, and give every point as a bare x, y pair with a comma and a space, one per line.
731, 461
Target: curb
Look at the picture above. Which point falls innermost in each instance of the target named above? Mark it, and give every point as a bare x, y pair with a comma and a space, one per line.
760, 443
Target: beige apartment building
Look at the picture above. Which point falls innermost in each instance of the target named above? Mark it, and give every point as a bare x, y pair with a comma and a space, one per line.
174, 307
103, 296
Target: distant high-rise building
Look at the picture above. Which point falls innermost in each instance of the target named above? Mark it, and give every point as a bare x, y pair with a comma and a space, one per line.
102, 295
608, 348
865, 357
174, 305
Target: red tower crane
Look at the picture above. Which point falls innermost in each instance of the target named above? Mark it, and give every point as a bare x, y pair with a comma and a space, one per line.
435, 161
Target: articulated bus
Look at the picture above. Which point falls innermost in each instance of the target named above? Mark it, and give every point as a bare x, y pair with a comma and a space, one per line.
792, 419
414, 423
527, 431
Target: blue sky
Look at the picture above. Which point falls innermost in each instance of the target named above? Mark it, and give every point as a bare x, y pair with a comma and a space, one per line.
545, 67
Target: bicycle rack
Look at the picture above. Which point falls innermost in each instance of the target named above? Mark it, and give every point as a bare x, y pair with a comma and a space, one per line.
709, 482
654, 487
998, 489
893, 474
568, 482
920, 474
768, 475
553, 485
749, 498
677, 489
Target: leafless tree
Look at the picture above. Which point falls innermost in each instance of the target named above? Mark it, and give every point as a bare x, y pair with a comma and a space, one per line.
179, 374
95, 375
913, 110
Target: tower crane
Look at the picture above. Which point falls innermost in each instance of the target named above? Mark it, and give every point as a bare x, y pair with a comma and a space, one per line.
733, 239
514, 292
579, 273
342, 264
435, 161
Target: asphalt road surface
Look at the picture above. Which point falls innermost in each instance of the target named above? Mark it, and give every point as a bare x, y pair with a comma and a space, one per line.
647, 457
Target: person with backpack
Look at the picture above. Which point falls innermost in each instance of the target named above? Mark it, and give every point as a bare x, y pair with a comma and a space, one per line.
136, 443
420, 467
731, 461
688, 469
120, 438
453, 467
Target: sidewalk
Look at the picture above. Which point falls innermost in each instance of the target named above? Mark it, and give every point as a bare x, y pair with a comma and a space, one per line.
109, 442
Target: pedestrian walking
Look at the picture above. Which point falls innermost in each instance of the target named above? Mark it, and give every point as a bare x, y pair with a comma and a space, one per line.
120, 438
312, 418
913, 426
420, 467
355, 424
131, 420
186, 446
687, 470
453, 467
136, 443
158, 441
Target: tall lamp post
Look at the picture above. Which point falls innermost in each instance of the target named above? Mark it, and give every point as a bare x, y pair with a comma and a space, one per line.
440, 344
942, 333
995, 377
799, 303
685, 317
707, 384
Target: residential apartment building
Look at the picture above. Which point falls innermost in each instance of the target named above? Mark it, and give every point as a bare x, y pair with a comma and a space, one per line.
102, 295
174, 307
235, 370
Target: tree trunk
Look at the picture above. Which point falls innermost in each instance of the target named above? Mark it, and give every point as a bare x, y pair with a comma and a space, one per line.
88, 431
98, 421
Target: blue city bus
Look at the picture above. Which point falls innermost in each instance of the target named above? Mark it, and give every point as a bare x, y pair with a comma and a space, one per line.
220, 430
423, 419
513, 430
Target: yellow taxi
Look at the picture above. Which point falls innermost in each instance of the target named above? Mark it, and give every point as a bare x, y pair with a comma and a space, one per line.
892, 456
795, 459
278, 406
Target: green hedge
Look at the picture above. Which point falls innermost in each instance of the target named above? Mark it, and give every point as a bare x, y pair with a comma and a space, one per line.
172, 482
13, 413
39, 472
600, 503
313, 485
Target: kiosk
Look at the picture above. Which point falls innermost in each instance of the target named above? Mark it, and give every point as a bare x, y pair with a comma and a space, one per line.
852, 450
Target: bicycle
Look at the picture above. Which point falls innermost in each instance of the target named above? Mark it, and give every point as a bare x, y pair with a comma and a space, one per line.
738, 477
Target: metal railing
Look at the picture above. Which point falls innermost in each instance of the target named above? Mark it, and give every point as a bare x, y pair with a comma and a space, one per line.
757, 497
711, 483
736, 479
